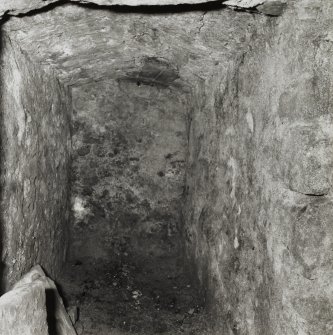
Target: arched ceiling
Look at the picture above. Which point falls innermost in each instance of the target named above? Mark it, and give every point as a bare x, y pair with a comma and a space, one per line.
83, 44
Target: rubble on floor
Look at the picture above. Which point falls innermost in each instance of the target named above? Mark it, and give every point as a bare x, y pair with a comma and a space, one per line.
132, 296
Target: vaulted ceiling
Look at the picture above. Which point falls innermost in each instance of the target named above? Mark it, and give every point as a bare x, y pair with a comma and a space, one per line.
83, 44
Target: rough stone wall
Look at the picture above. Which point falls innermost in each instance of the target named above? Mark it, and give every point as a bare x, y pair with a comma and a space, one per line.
259, 204
219, 199
126, 69
34, 166
258, 191
195, 42
129, 143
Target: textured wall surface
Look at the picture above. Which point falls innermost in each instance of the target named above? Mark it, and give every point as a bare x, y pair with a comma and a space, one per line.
132, 78
129, 144
259, 203
84, 45
34, 166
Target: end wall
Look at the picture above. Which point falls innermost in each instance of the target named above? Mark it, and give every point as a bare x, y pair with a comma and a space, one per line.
129, 144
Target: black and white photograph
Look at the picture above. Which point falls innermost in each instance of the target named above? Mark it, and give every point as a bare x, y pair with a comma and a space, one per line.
166, 167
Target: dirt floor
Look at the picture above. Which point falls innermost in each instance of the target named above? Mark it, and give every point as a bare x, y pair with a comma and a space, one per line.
145, 296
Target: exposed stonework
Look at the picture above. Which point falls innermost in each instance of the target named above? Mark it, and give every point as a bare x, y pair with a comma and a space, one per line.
34, 307
58, 321
122, 42
129, 142
258, 201
259, 185
35, 146
17, 7
23, 310
244, 3
131, 113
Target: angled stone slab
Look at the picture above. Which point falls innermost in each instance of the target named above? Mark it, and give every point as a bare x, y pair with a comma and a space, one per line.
244, 3
58, 318
23, 310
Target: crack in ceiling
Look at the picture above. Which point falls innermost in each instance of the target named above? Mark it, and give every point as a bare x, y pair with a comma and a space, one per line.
25, 7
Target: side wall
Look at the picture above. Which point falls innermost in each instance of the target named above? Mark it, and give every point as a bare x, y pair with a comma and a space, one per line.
35, 142
259, 205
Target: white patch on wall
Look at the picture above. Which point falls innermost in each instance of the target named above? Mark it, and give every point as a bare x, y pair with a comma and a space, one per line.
99, 128
233, 165
64, 49
329, 36
79, 208
236, 243
250, 122
230, 131
15, 87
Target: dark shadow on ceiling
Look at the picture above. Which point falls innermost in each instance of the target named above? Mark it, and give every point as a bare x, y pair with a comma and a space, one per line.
144, 9
156, 10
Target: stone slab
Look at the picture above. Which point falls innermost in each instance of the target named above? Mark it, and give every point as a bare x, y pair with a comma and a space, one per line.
244, 3
23, 310
58, 318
